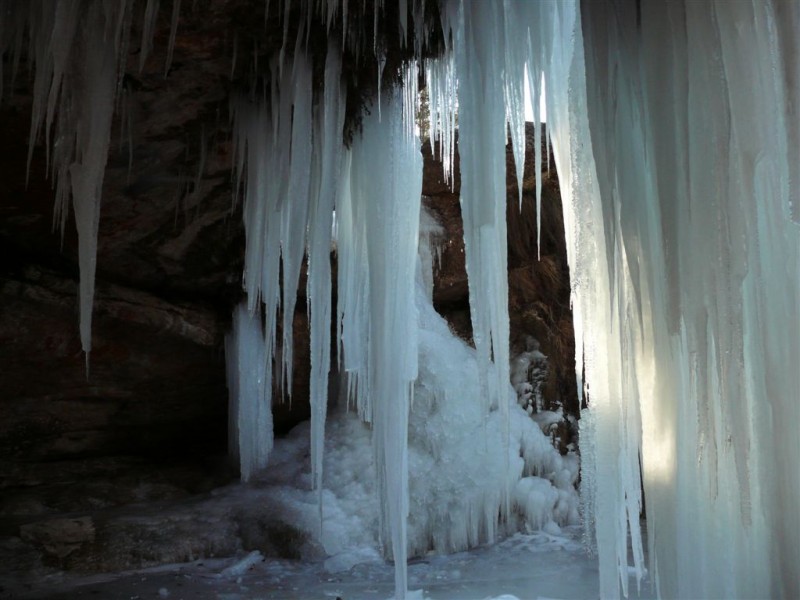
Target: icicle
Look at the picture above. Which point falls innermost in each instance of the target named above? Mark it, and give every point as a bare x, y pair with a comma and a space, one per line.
480, 59
535, 92
328, 151
381, 65
294, 205
173, 31
353, 289
148, 31
442, 98
515, 28
391, 171
402, 11
250, 433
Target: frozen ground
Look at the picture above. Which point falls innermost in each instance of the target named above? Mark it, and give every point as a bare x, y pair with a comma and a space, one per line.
533, 566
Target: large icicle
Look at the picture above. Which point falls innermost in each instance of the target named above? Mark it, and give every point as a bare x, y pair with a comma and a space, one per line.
95, 110
478, 40
296, 97
328, 126
386, 186
76, 51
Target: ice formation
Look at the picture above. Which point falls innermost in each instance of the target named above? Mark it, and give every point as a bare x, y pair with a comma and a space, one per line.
78, 49
461, 493
249, 408
675, 134
690, 327
386, 163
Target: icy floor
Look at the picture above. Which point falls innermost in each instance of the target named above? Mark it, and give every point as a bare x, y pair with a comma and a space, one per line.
535, 566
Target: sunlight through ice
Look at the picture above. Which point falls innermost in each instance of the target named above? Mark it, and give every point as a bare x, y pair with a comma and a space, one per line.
529, 105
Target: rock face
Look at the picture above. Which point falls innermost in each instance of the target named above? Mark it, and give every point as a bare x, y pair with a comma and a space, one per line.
148, 423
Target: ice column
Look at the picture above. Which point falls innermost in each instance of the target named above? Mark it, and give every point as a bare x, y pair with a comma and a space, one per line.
249, 408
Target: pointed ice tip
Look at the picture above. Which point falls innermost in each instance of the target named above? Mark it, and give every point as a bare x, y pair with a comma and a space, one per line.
86, 357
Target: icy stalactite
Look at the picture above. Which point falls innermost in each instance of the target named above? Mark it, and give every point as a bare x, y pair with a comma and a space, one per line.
294, 205
387, 164
76, 50
431, 237
328, 165
478, 44
442, 98
353, 291
249, 407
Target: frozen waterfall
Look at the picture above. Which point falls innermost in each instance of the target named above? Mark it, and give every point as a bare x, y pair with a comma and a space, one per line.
677, 141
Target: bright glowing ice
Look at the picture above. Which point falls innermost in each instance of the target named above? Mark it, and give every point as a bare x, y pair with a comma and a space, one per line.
690, 109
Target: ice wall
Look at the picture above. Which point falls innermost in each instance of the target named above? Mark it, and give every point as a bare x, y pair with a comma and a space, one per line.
693, 123
679, 185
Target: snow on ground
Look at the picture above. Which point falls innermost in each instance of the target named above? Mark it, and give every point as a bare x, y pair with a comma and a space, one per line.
524, 566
